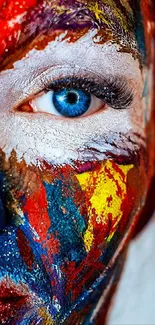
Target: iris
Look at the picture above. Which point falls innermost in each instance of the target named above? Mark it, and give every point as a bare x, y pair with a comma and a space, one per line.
71, 102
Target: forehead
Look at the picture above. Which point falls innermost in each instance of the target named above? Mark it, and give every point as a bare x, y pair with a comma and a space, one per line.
24, 20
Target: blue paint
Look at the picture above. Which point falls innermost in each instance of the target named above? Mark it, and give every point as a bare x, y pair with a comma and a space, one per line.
139, 30
2, 216
68, 227
2, 210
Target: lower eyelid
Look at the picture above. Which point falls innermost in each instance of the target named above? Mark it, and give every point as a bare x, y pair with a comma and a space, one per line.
26, 108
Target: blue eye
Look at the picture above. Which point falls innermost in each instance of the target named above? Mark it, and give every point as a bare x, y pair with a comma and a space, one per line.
66, 102
79, 97
71, 102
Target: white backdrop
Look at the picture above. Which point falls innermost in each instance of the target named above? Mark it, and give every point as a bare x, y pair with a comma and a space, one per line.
134, 301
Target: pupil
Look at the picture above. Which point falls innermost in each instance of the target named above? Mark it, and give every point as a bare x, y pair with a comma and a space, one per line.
72, 97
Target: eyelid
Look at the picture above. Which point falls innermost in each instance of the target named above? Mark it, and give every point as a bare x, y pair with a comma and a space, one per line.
112, 91
39, 83
47, 76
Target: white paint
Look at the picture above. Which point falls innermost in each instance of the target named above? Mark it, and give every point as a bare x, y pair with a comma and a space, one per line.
61, 140
17, 20
133, 303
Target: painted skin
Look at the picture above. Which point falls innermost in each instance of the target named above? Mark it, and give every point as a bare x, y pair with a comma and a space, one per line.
71, 188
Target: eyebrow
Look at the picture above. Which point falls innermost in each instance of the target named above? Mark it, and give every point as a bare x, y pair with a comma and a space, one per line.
113, 19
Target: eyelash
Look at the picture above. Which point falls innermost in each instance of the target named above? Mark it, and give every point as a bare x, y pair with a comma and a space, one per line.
114, 93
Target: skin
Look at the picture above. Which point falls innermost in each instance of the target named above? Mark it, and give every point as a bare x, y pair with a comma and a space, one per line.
72, 187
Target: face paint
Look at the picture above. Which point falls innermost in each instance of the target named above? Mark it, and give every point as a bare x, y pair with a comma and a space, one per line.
72, 187
65, 227
117, 18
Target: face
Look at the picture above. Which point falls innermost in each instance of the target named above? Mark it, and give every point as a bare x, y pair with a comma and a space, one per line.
75, 153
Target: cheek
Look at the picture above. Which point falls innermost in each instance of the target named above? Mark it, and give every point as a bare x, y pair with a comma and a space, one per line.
68, 223
112, 196
86, 211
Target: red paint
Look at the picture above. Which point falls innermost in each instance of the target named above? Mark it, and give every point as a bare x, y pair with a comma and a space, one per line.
88, 166
9, 289
109, 200
12, 298
9, 29
37, 211
78, 277
25, 249
52, 245
110, 175
89, 268
118, 170
14, 8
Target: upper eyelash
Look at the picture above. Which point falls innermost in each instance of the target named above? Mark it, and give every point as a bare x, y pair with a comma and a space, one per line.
113, 92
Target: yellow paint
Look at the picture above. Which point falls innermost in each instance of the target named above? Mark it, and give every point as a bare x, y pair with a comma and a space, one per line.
45, 316
99, 187
119, 15
125, 4
99, 13
98, 10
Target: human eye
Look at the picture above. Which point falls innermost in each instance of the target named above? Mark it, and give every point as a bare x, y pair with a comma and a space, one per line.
74, 97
